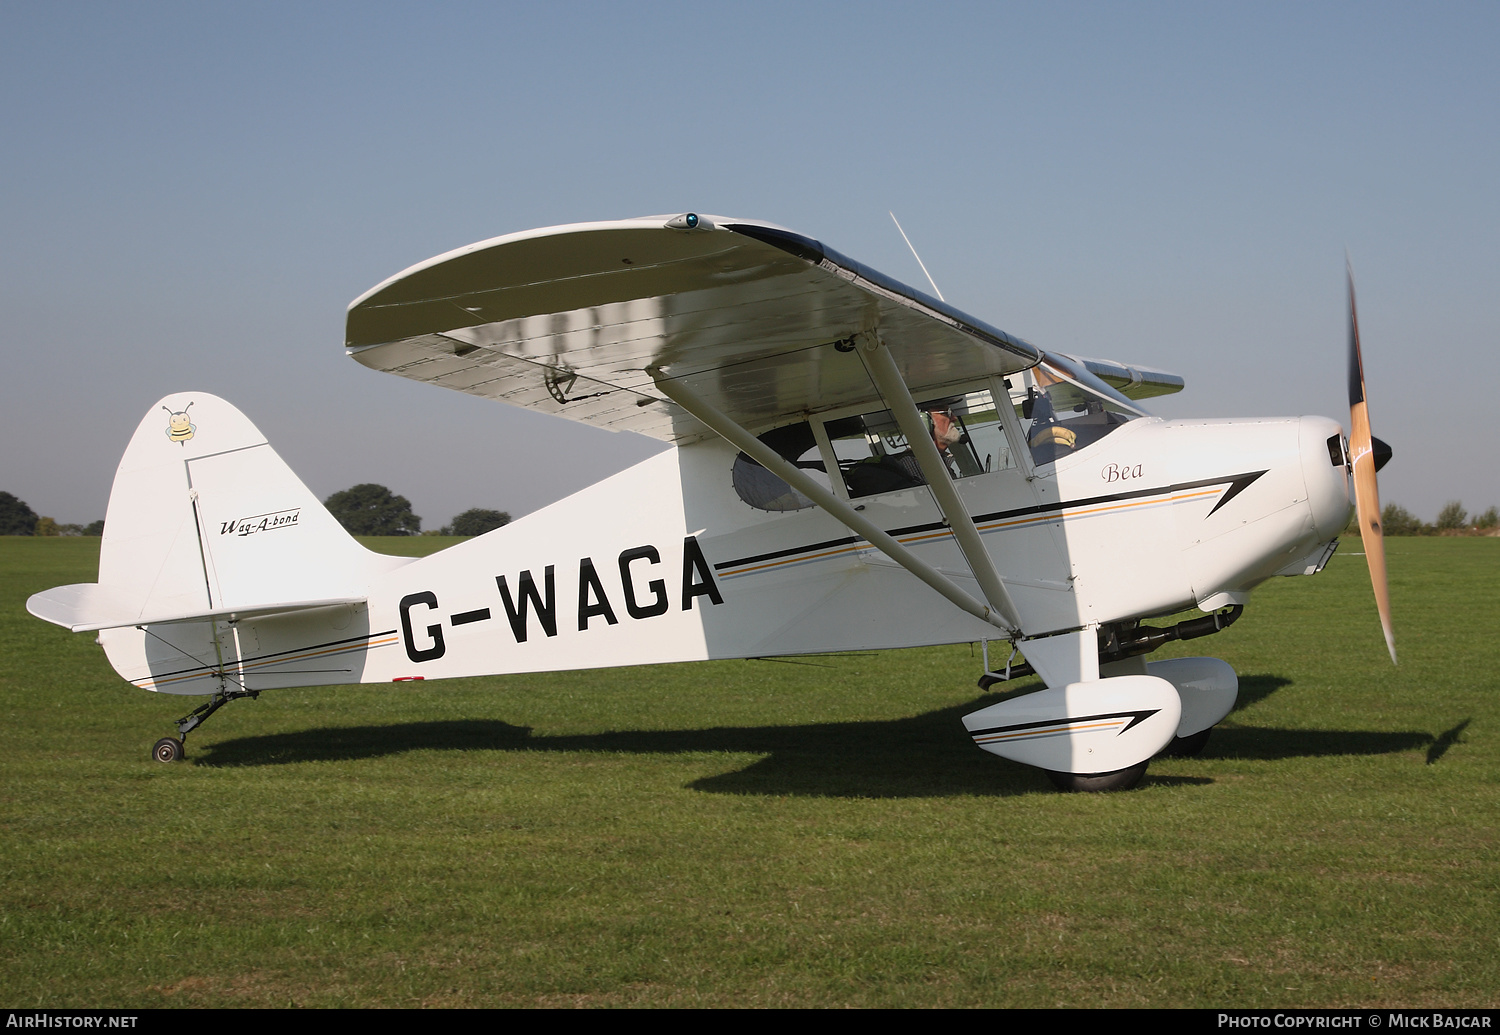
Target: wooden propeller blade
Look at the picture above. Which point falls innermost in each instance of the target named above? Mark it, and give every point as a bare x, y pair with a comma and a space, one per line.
1366, 492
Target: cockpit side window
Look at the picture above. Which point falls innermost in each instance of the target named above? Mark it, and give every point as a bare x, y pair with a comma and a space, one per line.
763, 490
1063, 408
969, 434
874, 456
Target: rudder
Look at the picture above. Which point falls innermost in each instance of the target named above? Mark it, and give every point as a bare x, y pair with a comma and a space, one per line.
205, 518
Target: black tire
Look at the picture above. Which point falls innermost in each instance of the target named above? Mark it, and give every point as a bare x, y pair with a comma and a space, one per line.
1188, 746
1094, 783
168, 749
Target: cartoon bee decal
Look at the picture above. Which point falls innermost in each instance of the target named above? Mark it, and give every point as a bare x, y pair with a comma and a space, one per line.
179, 428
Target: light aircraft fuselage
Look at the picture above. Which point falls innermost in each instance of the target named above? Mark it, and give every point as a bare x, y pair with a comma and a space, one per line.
853, 465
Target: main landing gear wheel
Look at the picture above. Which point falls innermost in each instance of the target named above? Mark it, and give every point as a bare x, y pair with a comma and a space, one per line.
1188, 746
168, 749
1119, 780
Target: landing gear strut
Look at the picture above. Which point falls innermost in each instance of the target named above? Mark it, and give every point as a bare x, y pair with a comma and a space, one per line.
172, 749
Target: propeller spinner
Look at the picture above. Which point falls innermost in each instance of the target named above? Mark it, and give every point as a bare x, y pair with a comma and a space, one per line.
1367, 455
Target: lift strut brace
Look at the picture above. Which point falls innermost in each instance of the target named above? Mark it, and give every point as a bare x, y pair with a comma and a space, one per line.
887, 377
883, 541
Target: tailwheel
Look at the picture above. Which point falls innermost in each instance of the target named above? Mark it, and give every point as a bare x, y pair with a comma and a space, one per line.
1119, 780
168, 749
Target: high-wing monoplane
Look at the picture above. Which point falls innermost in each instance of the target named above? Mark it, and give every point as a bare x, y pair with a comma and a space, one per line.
854, 465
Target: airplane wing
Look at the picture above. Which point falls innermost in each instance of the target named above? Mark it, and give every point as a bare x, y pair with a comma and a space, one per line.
752, 317
1133, 382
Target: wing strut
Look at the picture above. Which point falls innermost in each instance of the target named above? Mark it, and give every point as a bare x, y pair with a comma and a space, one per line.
857, 522
883, 371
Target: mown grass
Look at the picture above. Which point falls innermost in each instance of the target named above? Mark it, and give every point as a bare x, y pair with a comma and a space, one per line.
762, 833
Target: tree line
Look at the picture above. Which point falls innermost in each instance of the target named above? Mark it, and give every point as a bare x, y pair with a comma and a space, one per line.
371, 509
363, 510
1453, 519
16, 518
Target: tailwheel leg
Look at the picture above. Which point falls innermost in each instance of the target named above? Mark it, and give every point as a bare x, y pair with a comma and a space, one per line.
172, 749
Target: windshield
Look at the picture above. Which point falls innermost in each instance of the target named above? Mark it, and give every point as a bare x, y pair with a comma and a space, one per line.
1064, 408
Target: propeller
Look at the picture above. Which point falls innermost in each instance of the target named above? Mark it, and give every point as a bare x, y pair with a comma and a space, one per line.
1367, 455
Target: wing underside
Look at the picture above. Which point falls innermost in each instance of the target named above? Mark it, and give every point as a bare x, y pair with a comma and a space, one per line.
582, 321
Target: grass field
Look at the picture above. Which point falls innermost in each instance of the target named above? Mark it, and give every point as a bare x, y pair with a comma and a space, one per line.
762, 833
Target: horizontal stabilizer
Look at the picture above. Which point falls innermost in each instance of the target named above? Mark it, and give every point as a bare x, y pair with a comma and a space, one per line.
89, 607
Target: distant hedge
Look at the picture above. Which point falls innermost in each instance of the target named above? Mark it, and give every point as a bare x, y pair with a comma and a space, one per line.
1453, 519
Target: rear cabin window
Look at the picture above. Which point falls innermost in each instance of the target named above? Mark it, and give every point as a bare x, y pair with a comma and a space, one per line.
763, 490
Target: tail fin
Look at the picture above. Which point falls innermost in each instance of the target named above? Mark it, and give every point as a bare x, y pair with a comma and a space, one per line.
206, 520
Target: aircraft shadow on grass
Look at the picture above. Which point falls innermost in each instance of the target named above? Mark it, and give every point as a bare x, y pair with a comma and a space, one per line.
919, 756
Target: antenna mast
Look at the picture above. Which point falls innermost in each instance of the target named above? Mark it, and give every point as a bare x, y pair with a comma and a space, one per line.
914, 255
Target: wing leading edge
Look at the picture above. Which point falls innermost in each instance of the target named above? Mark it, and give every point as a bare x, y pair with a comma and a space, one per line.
752, 317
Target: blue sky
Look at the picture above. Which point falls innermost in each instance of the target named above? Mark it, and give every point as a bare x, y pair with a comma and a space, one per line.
192, 193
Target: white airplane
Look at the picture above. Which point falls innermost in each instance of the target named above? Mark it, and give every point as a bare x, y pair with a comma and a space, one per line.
855, 465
